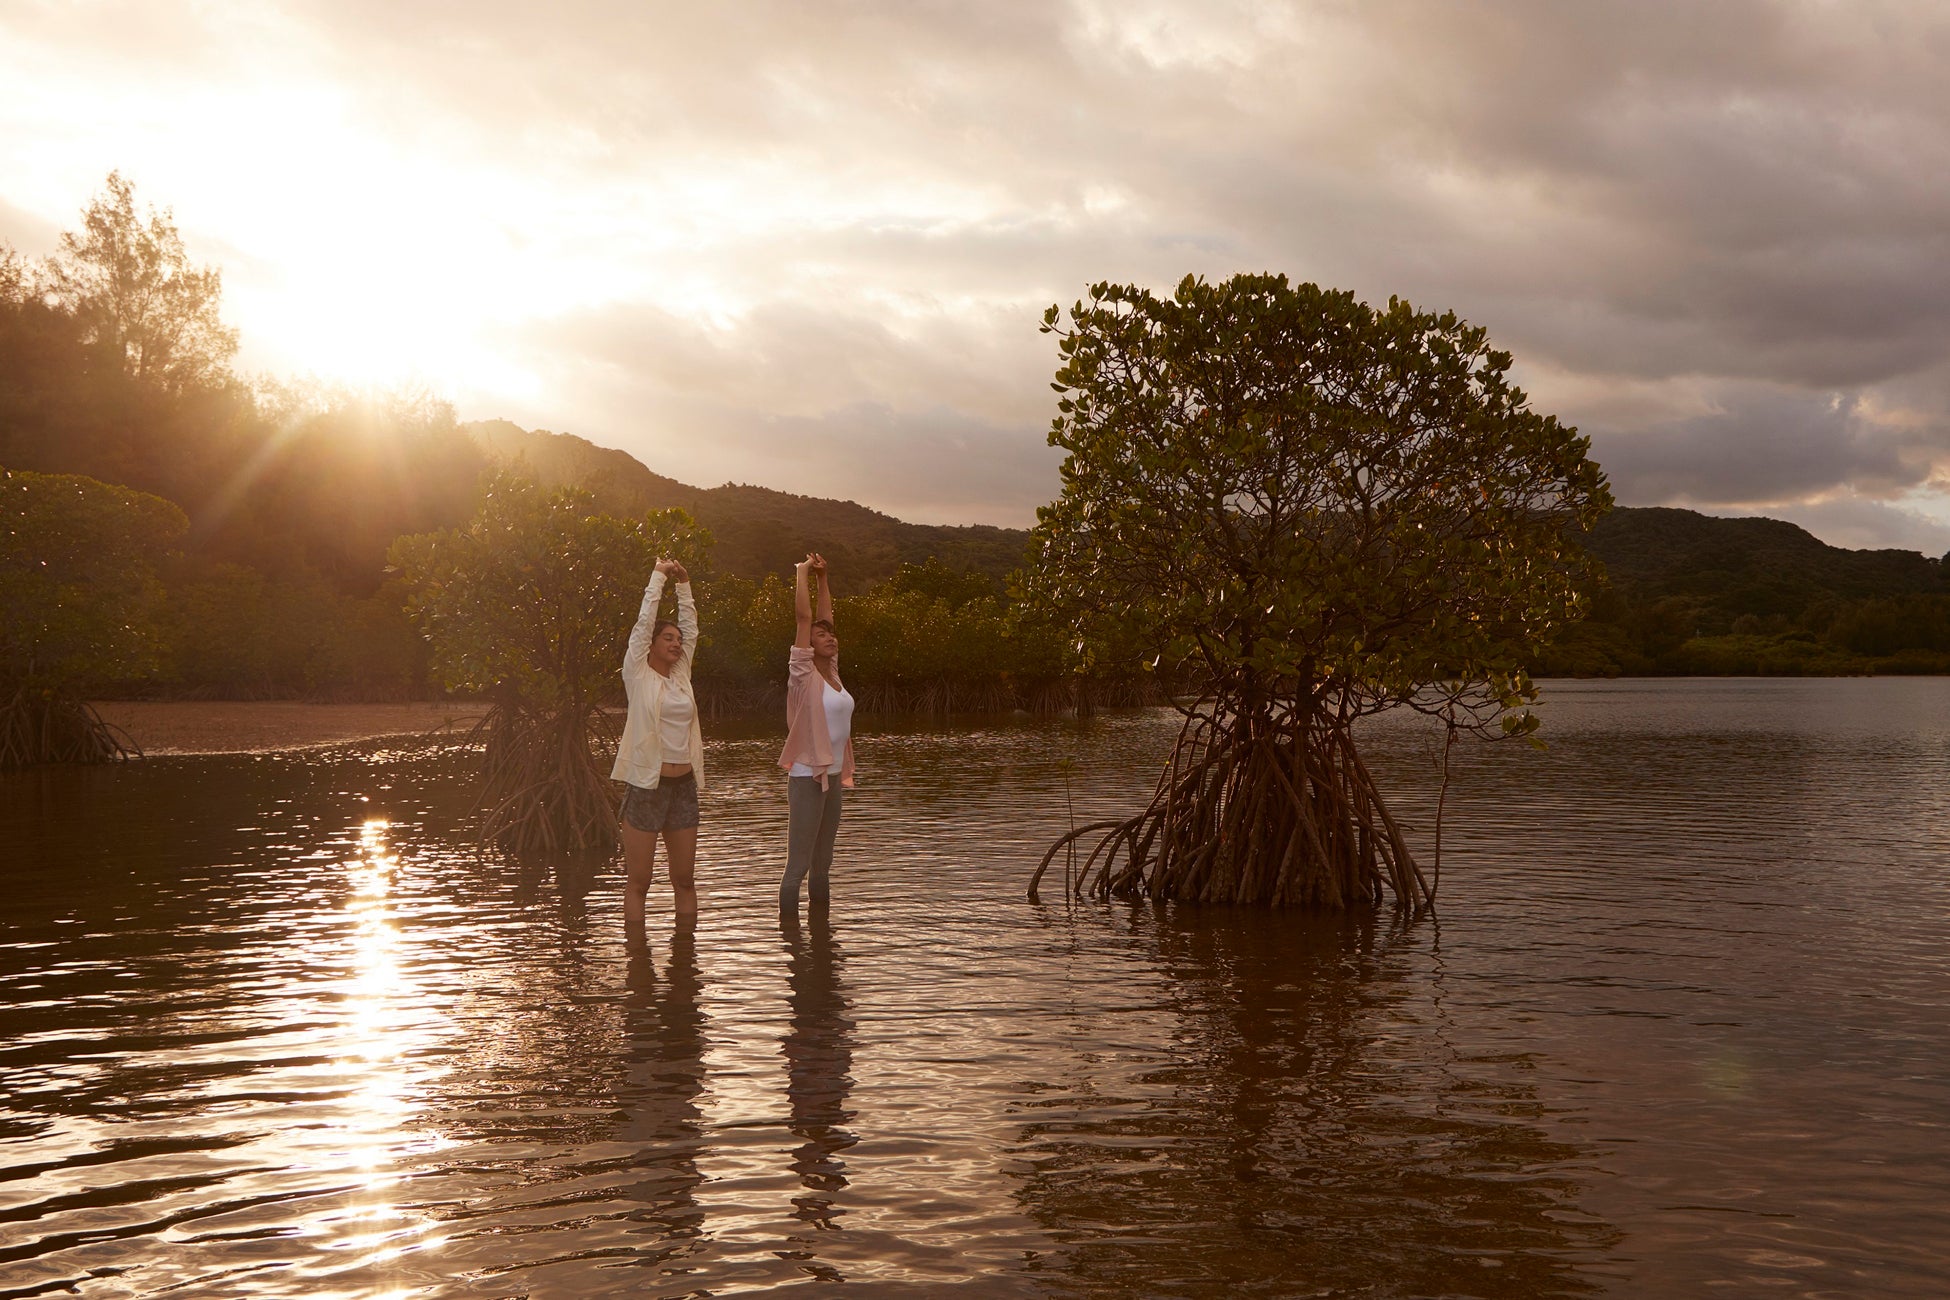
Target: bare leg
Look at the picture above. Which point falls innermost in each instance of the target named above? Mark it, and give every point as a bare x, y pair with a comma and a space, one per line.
639, 867
681, 847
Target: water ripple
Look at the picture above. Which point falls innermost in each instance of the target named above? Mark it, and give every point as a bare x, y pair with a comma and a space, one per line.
273, 1026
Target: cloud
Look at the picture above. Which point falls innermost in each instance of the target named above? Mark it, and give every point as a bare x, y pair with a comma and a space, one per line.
1761, 444
1866, 524
814, 401
25, 232
1715, 236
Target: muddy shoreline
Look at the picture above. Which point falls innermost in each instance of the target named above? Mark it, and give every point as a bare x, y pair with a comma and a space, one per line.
163, 727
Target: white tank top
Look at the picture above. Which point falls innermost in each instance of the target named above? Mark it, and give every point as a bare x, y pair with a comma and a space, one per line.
839, 726
674, 728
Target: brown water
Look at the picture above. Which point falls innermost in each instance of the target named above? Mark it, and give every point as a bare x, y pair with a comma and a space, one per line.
271, 1027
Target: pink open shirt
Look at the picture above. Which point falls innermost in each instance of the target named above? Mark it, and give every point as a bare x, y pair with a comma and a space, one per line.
806, 738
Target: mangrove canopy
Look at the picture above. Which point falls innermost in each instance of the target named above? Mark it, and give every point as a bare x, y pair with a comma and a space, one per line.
78, 584
1309, 510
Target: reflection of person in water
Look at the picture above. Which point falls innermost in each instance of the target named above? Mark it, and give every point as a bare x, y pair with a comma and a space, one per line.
818, 1053
663, 1075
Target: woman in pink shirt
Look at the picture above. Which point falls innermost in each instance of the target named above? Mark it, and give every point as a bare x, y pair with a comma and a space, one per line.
818, 755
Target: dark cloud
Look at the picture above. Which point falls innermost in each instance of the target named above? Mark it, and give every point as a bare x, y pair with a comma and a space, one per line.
1813, 443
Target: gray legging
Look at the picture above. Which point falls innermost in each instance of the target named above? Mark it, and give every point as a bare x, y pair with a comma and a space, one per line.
812, 821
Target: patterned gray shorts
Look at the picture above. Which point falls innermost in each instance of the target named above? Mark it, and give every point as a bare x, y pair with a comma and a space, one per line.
672, 806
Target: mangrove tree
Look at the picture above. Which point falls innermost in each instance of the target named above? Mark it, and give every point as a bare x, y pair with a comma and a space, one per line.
1309, 510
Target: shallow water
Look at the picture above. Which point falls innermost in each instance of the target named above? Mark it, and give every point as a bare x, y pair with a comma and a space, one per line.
272, 1027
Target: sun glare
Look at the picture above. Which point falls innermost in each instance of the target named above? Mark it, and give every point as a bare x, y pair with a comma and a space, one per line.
365, 246
382, 1031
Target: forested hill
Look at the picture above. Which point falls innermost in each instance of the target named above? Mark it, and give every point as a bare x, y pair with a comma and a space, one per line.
1764, 566
1688, 593
758, 530
1691, 593
1719, 569
1729, 567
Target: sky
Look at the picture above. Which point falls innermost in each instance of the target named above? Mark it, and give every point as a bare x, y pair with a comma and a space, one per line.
808, 245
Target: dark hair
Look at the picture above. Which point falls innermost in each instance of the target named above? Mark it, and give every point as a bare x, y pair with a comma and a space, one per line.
658, 629
826, 623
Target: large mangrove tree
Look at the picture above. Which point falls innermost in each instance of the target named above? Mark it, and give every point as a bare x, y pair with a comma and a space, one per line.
1309, 510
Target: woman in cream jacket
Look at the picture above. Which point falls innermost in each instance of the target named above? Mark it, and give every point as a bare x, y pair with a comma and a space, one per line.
661, 756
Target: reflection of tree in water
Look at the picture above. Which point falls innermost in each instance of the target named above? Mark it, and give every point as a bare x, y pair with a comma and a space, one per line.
663, 1075
818, 1050
546, 1057
1308, 1135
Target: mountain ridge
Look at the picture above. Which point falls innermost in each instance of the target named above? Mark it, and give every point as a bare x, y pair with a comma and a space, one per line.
1664, 547
758, 530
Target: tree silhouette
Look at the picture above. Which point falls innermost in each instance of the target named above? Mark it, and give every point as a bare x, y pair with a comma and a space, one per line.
141, 304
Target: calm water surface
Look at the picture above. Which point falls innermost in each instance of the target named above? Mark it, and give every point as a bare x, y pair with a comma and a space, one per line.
271, 1027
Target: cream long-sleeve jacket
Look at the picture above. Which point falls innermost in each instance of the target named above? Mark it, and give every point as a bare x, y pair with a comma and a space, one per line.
639, 758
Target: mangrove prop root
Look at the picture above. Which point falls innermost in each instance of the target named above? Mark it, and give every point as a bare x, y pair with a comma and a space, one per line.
1269, 809
545, 788
1059, 846
36, 729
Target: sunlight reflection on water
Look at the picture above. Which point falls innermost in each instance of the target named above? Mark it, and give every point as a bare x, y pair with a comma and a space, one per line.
274, 1027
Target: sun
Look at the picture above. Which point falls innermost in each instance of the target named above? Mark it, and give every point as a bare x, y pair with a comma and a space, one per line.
390, 307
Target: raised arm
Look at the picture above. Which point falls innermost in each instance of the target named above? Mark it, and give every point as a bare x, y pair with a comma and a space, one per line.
646, 620
802, 603
825, 592
686, 613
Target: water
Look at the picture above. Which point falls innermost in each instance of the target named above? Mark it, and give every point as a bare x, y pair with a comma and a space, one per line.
272, 1027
